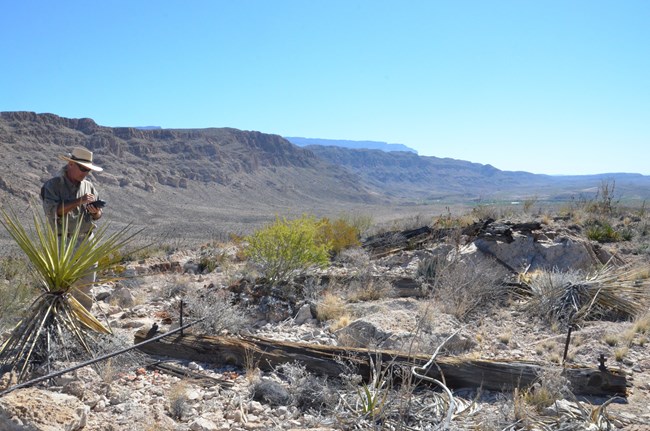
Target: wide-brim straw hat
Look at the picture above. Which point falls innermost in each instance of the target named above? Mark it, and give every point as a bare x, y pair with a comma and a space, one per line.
83, 157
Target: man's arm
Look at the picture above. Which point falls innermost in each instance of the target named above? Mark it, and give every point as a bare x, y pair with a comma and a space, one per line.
65, 208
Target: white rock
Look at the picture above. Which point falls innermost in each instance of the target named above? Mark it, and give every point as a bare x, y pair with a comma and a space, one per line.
194, 395
255, 407
203, 424
303, 315
194, 366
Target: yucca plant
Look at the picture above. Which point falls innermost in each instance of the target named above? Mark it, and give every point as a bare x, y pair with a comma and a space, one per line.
58, 261
564, 297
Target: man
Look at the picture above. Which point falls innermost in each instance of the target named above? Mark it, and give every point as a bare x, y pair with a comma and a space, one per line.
70, 194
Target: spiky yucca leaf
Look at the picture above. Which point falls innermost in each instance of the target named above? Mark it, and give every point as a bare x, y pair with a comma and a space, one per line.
59, 260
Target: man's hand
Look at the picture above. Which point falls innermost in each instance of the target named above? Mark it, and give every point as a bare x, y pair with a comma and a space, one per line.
87, 198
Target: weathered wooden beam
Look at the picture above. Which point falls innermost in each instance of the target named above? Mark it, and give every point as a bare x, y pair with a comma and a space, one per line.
329, 361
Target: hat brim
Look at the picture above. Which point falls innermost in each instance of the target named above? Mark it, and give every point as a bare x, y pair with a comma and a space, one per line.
84, 164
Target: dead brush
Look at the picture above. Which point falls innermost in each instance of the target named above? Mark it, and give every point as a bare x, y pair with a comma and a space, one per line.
216, 310
368, 288
394, 399
562, 415
461, 288
330, 306
309, 392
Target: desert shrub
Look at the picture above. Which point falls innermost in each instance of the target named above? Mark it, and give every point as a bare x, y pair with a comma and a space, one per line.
217, 310
211, 257
309, 392
461, 288
485, 211
355, 257
339, 234
287, 246
427, 268
642, 324
271, 392
529, 203
551, 387
604, 203
451, 221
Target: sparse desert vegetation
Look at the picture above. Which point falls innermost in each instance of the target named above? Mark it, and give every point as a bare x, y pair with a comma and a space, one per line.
452, 285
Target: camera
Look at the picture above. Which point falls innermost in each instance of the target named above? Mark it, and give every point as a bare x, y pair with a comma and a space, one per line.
98, 204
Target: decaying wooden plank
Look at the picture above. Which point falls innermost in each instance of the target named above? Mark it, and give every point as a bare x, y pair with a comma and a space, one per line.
184, 373
332, 361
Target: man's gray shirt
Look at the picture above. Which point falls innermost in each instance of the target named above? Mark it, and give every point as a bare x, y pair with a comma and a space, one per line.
60, 190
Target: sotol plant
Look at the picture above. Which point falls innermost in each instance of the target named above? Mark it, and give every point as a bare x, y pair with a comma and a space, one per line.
57, 262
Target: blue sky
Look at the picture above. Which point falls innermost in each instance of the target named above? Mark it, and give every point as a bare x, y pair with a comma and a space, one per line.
556, 87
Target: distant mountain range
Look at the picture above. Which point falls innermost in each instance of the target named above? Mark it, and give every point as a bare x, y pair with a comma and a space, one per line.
216, 179
359, 145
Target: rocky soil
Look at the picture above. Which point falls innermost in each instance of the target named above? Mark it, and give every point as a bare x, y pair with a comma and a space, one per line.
128, 394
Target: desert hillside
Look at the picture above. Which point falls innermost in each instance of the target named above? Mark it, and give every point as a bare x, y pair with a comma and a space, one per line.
199, 183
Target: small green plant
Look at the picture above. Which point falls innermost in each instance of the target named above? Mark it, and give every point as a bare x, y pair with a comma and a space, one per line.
372, 400
372, 397
287, 246
602, 231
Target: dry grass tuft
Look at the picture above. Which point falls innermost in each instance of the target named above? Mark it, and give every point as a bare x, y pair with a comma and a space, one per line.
330, 307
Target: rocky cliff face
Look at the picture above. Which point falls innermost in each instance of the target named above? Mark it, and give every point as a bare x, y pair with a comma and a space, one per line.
146, 158
151, 174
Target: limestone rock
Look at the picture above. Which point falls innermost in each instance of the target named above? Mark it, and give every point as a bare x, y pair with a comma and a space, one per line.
303, 315
562, 252
40, 410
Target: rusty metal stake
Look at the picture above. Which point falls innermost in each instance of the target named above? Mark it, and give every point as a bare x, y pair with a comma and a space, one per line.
566, 344
181, 319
